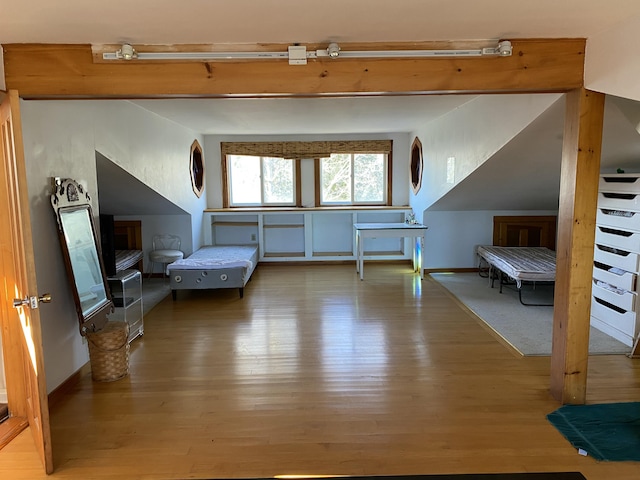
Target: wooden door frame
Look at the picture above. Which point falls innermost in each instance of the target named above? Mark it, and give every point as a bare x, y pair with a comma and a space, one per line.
536, 66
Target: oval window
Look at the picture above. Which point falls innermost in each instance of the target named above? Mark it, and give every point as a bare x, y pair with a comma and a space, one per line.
416, 165
197, 168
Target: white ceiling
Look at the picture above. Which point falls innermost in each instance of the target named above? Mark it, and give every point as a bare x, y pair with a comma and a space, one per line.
299, 116
290, 21
300, 21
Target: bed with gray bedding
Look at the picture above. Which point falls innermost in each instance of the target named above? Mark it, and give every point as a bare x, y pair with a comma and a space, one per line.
213, 267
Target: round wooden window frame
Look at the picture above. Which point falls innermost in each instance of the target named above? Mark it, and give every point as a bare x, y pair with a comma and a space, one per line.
416, 165
196, 168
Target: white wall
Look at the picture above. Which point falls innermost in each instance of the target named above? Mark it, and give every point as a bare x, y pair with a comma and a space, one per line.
60, 139
452, 237
400, 172
155, 151
611, 61
160, 224
471, 134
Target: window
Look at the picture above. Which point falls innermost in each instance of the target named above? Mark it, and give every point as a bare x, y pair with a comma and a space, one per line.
254, 180
196, 168
269, 174
353, 179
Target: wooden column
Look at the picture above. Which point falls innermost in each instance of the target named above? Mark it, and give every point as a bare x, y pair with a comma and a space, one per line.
576, 232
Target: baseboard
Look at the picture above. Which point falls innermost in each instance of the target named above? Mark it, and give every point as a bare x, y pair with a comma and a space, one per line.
65, 387
451, 270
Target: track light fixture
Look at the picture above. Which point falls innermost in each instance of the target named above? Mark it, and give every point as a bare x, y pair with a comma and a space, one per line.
126, 52
298, 55
333, 50
504, 48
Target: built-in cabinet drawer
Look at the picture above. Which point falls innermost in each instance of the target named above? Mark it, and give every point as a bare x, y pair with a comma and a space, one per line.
615, 276
618, 297
629, 182
617, 323
614, 237
619, 200
616, 257
620, 219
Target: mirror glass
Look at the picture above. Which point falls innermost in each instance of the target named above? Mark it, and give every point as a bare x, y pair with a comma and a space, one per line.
81, 253
83, 256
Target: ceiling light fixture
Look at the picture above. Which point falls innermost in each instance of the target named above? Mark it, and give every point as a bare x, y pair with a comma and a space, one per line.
333, 50
126, 52
503, 49
297, 55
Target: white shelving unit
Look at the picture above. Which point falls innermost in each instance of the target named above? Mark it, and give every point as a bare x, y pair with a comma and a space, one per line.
614, 305
126, 293
307, 234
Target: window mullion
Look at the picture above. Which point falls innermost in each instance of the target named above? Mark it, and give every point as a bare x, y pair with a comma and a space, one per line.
262, 180
353, 178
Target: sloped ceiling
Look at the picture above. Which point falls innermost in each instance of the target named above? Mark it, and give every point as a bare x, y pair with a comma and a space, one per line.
300, 116
115, 187
525, 173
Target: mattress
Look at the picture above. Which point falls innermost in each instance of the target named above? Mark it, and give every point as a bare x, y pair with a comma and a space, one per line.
127, 258
217, 257
536, 264
212, 267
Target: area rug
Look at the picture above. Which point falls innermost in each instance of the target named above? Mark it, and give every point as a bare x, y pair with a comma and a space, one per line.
154, 290
608, 431
528, 329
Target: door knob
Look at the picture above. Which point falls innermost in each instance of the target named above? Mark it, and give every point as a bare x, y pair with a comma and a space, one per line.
46, 298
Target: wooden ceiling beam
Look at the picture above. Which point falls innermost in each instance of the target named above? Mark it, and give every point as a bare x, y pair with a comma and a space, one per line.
71, 71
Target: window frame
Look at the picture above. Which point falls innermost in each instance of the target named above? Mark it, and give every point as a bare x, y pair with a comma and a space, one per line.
297, 151
388, 180
226, 183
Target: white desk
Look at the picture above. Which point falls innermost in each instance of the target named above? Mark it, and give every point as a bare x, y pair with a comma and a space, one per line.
387, 230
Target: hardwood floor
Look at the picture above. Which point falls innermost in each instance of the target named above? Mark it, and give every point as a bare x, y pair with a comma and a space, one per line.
317, 372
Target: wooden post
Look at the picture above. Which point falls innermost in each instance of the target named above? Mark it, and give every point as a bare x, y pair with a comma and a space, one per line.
576, 232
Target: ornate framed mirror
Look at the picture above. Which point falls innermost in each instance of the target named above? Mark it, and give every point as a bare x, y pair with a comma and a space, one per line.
416, 165
81, 252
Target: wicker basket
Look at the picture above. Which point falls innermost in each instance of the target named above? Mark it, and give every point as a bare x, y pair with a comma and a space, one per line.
109, 352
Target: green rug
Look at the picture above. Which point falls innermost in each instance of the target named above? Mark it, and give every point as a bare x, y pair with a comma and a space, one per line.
609, 431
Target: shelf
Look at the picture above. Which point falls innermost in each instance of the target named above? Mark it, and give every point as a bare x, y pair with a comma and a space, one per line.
316, 234
234, 224
286, 225
333, 254
383, 254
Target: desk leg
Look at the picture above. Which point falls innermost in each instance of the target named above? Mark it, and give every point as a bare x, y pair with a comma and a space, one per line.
361, 258
421, 257
414, 257
357, 252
